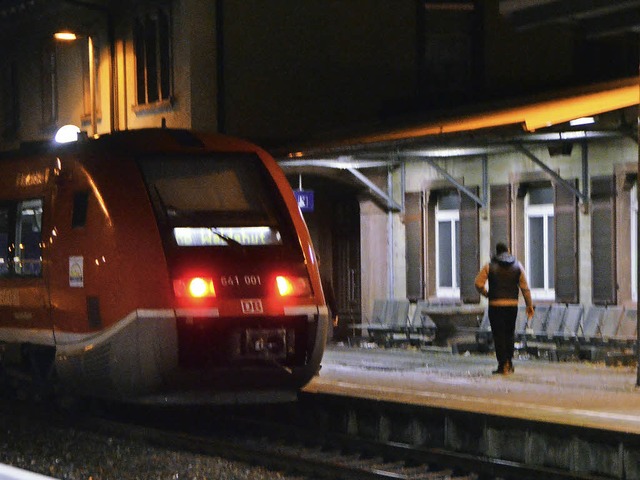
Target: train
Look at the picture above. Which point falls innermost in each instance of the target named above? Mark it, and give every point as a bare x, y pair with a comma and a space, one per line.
156, 266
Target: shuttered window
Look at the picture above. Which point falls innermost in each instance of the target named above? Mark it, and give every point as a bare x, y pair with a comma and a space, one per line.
634, 242
566, 251
430, 243
469, 247
500, 211
448, 245
452, 244
152, 41
603, 240
539, 241
413, 223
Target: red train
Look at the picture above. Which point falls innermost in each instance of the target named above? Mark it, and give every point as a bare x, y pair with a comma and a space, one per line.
157, 265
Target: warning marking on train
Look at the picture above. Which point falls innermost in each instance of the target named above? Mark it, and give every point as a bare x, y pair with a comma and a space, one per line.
76, 271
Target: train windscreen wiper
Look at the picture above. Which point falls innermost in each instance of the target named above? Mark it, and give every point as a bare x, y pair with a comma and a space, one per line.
226, 238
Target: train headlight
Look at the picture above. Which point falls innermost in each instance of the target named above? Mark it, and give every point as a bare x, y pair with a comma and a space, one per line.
197, 287
289, 286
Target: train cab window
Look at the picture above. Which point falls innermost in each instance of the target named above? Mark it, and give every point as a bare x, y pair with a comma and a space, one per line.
217, 201
80, 205
4, 242
28, 237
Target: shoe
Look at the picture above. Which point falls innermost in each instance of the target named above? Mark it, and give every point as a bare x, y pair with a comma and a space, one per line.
499, 371
506, 369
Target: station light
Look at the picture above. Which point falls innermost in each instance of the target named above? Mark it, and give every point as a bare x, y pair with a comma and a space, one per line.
67, 134
582, 121
65, 36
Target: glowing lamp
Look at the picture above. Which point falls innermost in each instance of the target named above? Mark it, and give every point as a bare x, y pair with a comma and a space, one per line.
67, 134
65, 36
292, 286
197, 287
582, 121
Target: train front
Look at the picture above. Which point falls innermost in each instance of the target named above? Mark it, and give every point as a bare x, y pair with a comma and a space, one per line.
249, 311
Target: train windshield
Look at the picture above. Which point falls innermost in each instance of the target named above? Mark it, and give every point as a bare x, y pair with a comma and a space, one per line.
217, 200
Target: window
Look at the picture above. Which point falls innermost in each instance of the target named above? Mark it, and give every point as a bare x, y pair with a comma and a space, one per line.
218, 201
49, 87
4, 242
20, 239
450, 46
539, 242
28, 251
9, 96
87, 70
153, 57
448, 245
634, 242
80, 207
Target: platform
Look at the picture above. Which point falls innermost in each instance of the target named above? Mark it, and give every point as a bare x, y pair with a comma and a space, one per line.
581, 394
7, 472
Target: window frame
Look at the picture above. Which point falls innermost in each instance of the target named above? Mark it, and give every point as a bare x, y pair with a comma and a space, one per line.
49, 86
451, 216
547, 213
87, 101
15, 238
152, 41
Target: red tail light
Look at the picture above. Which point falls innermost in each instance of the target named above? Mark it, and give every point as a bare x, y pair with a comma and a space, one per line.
293, 286
197, 287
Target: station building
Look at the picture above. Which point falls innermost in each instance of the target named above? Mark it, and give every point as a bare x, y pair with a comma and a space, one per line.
555, 179
427, 130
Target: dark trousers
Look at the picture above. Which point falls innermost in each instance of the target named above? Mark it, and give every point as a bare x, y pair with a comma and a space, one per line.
503, 325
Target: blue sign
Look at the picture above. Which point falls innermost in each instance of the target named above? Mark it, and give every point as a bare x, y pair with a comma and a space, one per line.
304, 199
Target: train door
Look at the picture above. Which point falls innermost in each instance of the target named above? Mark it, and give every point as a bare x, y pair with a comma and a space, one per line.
346, 263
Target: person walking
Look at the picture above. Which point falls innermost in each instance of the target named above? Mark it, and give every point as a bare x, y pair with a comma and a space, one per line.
505, 276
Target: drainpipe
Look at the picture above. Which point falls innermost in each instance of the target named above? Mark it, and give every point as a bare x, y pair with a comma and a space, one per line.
390, 263
637, 262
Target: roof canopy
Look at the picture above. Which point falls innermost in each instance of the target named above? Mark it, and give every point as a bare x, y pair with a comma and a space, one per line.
497, 127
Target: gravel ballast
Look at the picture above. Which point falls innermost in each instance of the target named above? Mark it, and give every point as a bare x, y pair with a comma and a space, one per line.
38, 443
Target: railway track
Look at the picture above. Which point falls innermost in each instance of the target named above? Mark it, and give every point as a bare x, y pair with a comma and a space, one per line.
313, 461
275, 439
312, 453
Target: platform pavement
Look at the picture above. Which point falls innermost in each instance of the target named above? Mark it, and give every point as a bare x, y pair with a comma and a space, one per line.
7, 472
572, 393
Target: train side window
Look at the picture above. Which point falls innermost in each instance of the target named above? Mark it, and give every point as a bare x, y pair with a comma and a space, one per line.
28, 253
4, 242
80, 206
